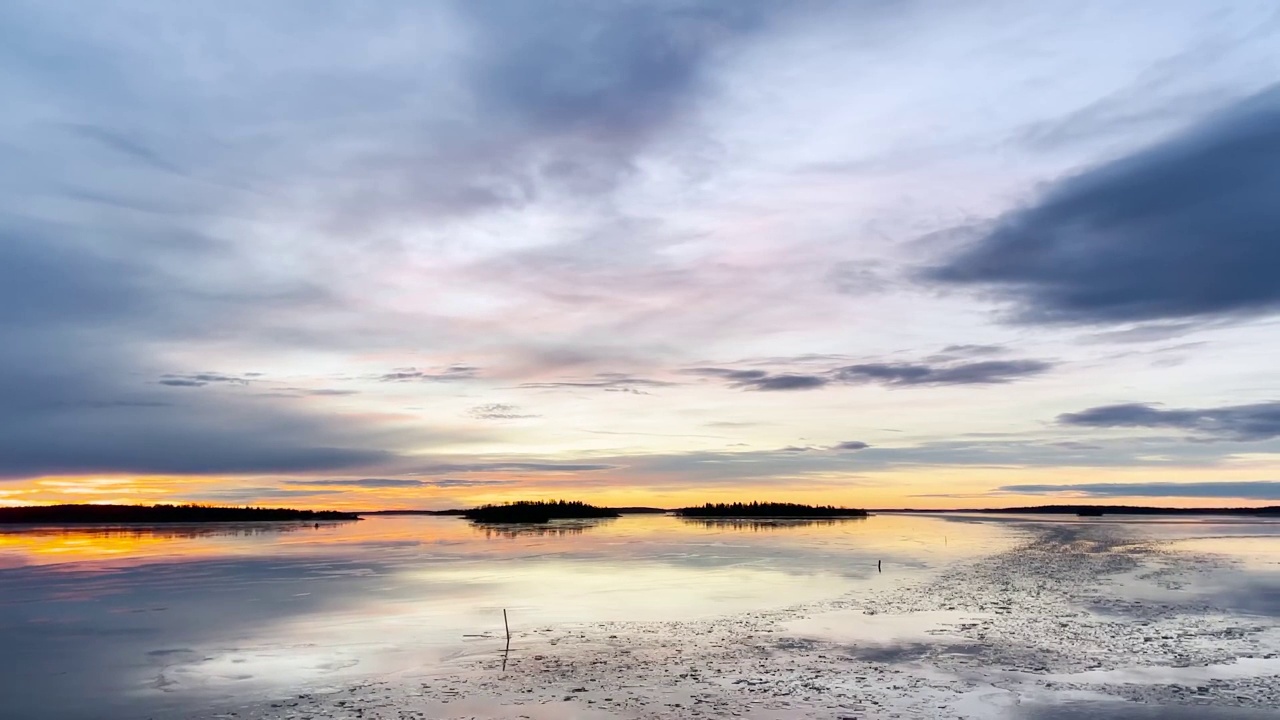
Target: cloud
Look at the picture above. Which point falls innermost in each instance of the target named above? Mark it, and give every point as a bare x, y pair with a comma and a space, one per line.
1185, 229
972, 350
787, 381
986, 372
68, 411
607, 381
1260, 421
450, 373
360, 483
859, 279
465, 483
761, 379
498, 411
251, 494
389, 483
321, 392
941, 370
1247, 489
205, 378
851, 445
514, 466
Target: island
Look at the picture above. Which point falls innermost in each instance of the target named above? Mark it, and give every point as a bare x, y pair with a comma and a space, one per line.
147, 514
537, 511
768, 510
452, 511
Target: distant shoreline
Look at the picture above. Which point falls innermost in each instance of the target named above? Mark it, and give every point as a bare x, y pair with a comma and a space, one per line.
159, 514
175, 514
1094, 510
1085, 510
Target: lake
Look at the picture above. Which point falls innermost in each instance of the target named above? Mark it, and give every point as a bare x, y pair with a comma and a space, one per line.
124, 622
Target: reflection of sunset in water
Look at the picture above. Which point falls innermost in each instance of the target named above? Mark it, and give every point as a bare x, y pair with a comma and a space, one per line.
131, 544
21, 545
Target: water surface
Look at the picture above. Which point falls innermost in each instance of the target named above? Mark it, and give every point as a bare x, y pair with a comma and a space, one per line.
121, 620
118, 622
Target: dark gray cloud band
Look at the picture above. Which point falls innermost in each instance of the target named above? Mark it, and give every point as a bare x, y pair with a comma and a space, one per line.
1248, 489
1259, 421
1189, 228
990, 372
944, 372
397, 483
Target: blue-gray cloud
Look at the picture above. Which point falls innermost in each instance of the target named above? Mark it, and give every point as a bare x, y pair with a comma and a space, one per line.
613, 70
392, 483
1247, 489
940, 370
511, 466
1260, 421
851, 445
761, 379
204, 378
785, 381
989, 372
1185, 229
359, 483
451, 373
250, 494
607, 381
77, 321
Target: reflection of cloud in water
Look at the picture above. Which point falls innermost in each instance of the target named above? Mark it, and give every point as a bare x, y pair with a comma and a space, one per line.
555, 528
766, 524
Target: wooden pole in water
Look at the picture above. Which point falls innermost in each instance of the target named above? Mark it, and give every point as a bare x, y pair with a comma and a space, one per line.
506, 652
878, 568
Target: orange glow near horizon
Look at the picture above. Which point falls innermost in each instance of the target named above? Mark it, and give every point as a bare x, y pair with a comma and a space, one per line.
932, 489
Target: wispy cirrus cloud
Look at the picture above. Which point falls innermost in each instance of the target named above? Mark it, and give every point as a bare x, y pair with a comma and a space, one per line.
499, 411
606, 381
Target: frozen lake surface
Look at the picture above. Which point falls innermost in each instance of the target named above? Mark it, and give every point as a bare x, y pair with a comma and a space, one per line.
645, 616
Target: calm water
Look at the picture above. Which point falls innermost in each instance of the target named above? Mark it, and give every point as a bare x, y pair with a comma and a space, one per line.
114, 622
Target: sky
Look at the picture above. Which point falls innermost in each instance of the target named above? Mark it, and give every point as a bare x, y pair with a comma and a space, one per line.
887, 253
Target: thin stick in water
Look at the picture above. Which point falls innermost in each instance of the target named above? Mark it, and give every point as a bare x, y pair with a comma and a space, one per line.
506, 652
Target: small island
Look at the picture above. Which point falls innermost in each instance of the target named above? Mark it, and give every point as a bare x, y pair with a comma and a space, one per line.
768, 510
147, 514
536, 511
